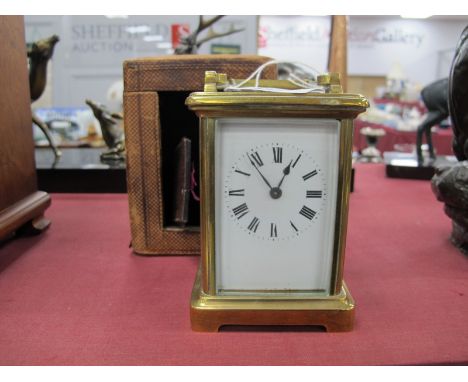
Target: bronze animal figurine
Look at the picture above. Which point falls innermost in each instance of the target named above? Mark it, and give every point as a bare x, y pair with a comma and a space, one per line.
450, 186
435, 98
190, 44
111, 132
450, 183
458, 97
39, 54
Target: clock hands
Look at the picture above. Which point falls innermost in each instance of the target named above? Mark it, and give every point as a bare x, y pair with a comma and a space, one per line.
276, 192
256, 168
286, 171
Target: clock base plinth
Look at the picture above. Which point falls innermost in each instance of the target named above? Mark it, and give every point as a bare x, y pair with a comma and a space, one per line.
209, 313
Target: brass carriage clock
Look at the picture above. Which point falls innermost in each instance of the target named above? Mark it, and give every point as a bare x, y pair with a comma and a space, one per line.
275, 177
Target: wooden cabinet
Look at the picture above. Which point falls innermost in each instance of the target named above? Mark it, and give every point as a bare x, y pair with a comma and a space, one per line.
20, 201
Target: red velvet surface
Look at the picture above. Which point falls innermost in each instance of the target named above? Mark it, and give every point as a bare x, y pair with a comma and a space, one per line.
441, 139
77, 295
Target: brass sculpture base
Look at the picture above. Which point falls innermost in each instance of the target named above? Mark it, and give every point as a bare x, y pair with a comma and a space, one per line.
209, 313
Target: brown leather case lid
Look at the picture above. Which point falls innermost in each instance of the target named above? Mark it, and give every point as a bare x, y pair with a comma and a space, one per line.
176, 73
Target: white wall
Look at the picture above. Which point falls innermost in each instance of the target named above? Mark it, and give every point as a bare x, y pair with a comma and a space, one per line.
374, 43
296, 38
89, 56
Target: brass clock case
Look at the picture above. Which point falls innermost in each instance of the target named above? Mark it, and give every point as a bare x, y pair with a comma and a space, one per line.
210, 310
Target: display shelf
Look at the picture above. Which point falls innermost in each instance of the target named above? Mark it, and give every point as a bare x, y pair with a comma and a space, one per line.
79, 170
403, 105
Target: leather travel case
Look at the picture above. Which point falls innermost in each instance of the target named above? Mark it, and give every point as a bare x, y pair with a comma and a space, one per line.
164, 221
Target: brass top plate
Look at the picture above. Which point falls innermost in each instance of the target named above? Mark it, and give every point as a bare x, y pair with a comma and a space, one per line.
330, 101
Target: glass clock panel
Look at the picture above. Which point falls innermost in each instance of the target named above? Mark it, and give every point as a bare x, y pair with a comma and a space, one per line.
275, 196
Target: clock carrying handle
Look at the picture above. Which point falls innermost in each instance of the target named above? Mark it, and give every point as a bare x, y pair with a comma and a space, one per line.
322, 83
293, 84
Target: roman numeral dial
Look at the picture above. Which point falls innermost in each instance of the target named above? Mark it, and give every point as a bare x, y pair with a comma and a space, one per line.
253, 225
297, 160
273, 192
241, 210
273, 230
242, 172
313, 194
309, 175
307, 212
256, 158
237, 192
278, 154
293, 226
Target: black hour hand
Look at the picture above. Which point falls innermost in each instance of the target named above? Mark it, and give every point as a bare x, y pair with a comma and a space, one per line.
286, 171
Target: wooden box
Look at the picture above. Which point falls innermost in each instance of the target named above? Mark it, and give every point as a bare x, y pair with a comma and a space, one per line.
156, 119
21, 204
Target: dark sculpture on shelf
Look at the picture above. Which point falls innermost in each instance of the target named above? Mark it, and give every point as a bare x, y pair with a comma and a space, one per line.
458, 100
190, 44
111, 132
450, 183
39, 54
435, 98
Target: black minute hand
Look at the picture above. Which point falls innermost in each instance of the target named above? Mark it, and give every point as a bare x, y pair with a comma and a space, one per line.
256, 168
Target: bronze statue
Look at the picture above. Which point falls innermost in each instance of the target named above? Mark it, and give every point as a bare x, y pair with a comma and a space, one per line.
190, 44
458, 100
111, 132
39, 54
450, 183
435, 98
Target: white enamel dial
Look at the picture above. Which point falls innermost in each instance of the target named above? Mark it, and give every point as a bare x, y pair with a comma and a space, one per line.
275, 191
275, 204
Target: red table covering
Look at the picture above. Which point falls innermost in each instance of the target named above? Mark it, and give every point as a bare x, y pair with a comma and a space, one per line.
78, 296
